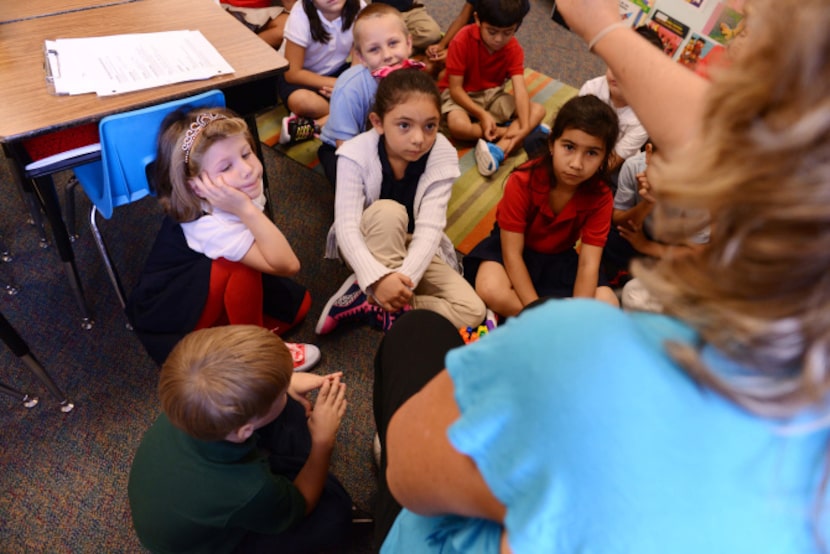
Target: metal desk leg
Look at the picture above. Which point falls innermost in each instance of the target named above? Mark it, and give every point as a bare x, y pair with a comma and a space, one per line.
27, 400
20, 349
48, 197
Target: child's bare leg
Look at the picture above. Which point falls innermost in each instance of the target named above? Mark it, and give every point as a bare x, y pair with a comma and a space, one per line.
462, 127
494, 287
513, 138
307, 103
607, 295
273, 31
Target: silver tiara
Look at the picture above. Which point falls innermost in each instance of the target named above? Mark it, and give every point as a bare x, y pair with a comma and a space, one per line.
196, 127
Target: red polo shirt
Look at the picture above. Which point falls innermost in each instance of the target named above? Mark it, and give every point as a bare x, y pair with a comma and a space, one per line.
467, 56
525, 209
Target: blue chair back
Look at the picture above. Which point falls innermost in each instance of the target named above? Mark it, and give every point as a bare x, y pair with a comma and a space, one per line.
128, 146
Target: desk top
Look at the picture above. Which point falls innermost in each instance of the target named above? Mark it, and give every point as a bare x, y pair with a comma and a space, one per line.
30, 9
29, 109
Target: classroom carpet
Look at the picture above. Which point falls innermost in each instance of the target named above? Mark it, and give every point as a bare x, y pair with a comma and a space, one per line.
472, 207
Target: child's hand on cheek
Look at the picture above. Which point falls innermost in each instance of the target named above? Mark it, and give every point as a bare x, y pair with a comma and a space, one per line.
218, 194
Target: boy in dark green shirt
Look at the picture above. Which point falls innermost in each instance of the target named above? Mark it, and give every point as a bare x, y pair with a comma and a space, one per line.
199, 481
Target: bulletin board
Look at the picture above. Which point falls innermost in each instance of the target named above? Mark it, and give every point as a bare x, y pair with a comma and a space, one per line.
692, 31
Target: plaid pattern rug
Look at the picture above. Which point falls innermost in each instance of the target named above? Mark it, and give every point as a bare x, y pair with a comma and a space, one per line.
472, 207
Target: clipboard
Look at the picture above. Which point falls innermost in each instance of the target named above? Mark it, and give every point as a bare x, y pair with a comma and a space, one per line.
117, 64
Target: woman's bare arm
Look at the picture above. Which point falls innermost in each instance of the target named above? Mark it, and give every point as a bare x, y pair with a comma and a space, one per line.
425, 473
667, 98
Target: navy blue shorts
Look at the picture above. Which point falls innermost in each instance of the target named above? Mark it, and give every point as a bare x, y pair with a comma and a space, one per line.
553, 275
286, 89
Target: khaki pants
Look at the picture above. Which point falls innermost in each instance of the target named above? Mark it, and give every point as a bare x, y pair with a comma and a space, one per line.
442, 289
498, 103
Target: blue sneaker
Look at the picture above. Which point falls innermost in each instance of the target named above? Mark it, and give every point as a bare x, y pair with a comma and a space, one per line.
347, 304
488, 157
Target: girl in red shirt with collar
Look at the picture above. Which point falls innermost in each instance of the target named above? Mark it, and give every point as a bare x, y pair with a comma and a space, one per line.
549, 204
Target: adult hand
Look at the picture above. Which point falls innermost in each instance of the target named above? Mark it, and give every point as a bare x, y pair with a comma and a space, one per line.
328, 411
588, 17
219, 195
302, 384
393, 291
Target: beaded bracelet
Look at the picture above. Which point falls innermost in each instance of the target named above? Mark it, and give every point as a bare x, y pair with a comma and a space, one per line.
599, 36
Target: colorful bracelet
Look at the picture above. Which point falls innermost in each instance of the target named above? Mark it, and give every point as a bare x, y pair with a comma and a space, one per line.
599, 36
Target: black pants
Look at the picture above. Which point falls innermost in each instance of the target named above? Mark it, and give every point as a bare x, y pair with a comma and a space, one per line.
328, 526
328, 159
409, 356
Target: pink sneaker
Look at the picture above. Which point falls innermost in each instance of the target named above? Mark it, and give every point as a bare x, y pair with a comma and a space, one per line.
347, 304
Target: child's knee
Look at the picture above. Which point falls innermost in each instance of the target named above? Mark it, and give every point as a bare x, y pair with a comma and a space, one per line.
537, 113
384, 216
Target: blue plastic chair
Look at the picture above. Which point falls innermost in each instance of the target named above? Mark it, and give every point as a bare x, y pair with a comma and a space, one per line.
128, 146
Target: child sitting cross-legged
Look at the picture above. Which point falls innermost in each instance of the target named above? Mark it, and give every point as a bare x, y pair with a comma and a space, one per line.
238, 460
390, 210
482, 57
549, 204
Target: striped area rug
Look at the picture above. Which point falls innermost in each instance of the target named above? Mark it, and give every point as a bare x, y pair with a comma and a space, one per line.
472, 207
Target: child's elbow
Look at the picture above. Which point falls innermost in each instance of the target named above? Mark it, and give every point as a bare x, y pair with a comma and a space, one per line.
292, 267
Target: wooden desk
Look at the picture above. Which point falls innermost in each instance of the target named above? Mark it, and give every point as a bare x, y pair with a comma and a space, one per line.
28, 109
31, 9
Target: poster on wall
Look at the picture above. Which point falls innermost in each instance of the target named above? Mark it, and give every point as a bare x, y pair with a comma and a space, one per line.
725, 22
645, 5
671, 31
697, 52
632, 12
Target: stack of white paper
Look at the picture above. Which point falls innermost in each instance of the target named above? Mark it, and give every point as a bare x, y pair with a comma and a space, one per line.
124, 63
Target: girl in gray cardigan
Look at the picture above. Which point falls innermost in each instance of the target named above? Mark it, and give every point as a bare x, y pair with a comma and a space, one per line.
393, 185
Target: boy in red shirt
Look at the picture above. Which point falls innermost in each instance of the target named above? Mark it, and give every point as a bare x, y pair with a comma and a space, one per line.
481, 59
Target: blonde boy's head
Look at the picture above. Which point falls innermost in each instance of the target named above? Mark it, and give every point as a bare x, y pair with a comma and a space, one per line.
380, 36
216, 380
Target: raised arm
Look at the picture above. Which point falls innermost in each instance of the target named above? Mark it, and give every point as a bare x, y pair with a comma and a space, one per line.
667, 98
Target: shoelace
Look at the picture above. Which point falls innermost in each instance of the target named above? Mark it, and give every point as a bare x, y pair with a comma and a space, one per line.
303, 129
297, 352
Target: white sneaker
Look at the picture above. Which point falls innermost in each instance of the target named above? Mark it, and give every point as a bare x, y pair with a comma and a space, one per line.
488, 157
305, 356
491, 320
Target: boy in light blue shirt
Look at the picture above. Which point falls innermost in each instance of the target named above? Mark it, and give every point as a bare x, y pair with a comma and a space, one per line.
381, 40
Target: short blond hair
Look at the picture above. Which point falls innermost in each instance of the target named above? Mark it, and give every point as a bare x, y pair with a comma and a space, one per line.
218, 379
374, 11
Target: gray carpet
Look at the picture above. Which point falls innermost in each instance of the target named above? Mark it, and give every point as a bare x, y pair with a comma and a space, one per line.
63, 476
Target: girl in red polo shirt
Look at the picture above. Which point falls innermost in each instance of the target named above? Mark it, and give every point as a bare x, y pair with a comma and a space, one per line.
549, 203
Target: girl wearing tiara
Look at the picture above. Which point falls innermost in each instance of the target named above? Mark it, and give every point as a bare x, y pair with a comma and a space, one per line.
217, 259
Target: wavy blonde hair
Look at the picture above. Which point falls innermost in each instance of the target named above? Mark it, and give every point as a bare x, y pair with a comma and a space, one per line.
760, 291
171, 171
